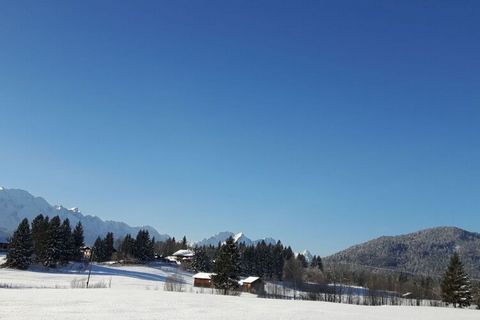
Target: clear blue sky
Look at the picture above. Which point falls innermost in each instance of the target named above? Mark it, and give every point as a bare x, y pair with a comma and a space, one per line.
319, 123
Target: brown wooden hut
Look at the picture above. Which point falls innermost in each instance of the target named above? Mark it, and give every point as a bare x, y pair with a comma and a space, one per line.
202, 279
252, 285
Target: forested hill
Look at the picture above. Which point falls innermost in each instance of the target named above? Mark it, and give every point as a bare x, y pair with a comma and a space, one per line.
423, 252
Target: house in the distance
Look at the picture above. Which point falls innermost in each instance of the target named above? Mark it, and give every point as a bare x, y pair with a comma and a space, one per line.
86, 252
203, 279
252, 285
182, 255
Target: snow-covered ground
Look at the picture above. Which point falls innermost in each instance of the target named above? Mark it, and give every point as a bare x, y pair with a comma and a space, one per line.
137, 292
151, 304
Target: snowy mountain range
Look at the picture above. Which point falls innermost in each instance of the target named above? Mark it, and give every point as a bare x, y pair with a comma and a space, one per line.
17, 204
238, 237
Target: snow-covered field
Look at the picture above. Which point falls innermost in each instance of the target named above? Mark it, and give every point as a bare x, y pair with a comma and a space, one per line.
137, 292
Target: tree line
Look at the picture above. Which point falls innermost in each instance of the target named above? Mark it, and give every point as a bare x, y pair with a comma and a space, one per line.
52, 242
268, 261
46, 241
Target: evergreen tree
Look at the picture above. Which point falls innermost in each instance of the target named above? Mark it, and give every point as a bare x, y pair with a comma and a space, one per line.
143, 246
54, 245
127, 247
227, 267
247, 264
456, 287
317, 263
99, 250
201, 262
39, 237
302, 259
66, 249
288, 253
278, 261
78, 242
476, 295
108, 242
20, 249
184, 243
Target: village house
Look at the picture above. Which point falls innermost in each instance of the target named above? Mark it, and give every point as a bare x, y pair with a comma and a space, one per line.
182, 255
203, 279
86, 252
252, 285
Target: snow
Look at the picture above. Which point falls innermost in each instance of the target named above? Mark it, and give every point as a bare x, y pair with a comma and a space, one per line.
203, 275
136, 292
238, 237
125, 304
184, 253
249, 280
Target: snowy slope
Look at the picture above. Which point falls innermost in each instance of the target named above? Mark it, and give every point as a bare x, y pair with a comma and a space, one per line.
128, 304
16, 204
238, 237
136, 292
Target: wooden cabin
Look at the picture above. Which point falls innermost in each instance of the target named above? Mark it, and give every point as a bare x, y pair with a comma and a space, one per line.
203, 279
252, 285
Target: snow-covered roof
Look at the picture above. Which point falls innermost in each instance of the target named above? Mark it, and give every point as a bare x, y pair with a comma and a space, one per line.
203, 275
249, 280
184, 253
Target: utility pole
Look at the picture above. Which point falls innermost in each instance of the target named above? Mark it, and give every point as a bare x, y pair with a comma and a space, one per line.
90, 269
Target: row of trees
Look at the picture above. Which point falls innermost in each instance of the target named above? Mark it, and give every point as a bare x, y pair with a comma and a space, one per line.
51, 242
140, 249
279, 263
171, 245
47, 242
269, 261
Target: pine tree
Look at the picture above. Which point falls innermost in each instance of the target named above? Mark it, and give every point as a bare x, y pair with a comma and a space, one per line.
278, 261
227, 267
20, 249
66, 249
143, 246
184, 243
54, 245
39, 237
127, 247
201, 262
476, 295
78, 242
247, 260
302, 259
109, 246
456, 287
99, 250
317, 263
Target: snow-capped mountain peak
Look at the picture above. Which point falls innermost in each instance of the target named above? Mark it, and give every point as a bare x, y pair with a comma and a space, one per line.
16, 204
237, 237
